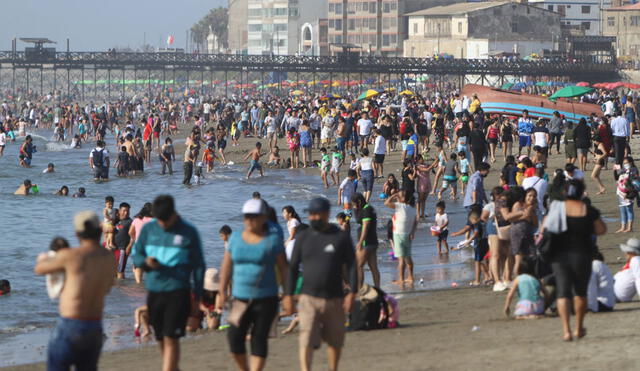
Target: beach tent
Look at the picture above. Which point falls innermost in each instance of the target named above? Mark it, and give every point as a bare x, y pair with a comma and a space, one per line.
368, 94
570, 92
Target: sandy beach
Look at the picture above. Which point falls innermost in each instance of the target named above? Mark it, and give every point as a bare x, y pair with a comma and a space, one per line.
454, 329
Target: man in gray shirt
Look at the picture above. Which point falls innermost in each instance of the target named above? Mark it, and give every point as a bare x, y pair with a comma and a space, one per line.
621, 133
556, 128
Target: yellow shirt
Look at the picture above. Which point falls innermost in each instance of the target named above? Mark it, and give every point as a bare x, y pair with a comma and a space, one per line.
520, 174
474, 105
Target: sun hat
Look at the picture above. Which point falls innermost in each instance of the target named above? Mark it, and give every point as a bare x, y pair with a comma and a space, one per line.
632, 246
85, 220
254, 207
211, 280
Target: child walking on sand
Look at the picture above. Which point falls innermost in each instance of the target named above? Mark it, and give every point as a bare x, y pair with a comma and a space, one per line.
442, 223
450, 177
530, 303
325, 166
109, 216
336, 162
463, 166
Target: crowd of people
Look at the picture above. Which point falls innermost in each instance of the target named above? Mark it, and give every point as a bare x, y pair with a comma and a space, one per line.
534, 234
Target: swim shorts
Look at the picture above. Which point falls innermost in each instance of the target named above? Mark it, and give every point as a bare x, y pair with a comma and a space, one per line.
401, 245
525, 141
255, 165
168, 313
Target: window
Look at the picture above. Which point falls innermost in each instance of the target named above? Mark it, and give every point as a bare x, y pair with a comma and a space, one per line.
254, 27
634, 20
385, 40
393, 39
550, 7
255, 13
339, 39
459, 27
372, 7
332, 7
393, 22
338, 8
352, 24
339, 24
280, 27
561, 10
373, 24
365, 7
611, 21
293, 12
586, 9
394, 6
586, 25
415, 28
514, 27
386, 8
332, 23
385, 23
359, 23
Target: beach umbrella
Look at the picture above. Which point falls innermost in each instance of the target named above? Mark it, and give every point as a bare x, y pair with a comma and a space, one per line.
368, 94
406, 92
570, 92
297, 92
330, 96
583, 84
631, 86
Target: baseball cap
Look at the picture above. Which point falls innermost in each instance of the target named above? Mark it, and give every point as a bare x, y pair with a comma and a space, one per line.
85, 220
318, 205
211, 280
253, 207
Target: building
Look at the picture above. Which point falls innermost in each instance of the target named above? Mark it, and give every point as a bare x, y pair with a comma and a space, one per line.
237, 25
313, 38
623, 22
478, 30
375, 27
582, 15
275, 26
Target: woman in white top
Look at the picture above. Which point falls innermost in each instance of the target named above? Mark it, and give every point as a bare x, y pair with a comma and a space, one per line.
497, 247
293, 220
365, 172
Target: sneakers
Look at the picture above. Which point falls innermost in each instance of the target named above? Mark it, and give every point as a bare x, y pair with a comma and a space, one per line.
500, 286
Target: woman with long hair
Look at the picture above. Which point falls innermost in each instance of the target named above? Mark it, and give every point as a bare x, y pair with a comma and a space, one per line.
293, 220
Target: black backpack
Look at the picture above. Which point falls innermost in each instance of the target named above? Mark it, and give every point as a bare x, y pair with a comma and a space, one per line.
98, 157
366, 315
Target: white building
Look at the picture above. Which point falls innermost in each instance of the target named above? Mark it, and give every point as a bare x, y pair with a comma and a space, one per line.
585, 15
275, 26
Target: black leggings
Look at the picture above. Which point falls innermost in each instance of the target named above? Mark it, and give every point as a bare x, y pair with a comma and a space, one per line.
555, 138
619, 145
260, 314
572, 271
478, 154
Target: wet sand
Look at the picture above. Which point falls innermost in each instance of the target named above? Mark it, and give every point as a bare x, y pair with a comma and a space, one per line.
454, 329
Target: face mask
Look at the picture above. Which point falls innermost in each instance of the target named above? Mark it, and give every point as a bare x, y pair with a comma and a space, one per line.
318, 225
627, 166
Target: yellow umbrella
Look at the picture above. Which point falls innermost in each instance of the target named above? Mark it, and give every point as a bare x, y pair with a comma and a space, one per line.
335, 84
297, 92
406, 92
368, 94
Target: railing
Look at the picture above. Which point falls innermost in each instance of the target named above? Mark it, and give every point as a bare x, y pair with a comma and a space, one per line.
365, 64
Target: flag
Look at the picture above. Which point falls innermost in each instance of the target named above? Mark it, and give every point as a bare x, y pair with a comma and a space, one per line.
170, 40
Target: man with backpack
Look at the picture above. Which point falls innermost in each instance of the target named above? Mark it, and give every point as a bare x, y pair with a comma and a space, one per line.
99, 161
325, 251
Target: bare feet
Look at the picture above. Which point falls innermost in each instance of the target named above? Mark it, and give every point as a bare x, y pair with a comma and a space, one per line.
580, 333
620, 230
409, 281
601, 192
398, 282
567, 337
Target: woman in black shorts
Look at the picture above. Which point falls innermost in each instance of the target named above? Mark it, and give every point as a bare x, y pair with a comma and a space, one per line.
507, 138
571, 255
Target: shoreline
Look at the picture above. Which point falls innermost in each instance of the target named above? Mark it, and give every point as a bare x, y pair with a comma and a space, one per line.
437, 325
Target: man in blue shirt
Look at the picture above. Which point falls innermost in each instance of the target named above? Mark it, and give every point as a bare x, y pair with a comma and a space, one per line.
412, 146
169, 250
475, 195
525, 128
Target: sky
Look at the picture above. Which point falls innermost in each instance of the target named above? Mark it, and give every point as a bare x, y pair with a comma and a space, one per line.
96, 25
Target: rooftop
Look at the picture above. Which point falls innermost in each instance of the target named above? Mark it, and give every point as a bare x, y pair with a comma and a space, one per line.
460, 8
635, 6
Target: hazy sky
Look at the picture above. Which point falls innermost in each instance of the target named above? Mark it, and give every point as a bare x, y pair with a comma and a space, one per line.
100, 24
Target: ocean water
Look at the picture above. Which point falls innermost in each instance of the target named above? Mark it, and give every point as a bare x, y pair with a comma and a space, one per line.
27, 315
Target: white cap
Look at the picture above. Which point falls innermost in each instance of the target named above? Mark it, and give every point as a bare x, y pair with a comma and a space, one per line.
255, 207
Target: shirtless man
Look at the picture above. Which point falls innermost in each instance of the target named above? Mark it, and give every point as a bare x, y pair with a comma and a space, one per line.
89, 276
255, 155
24, 189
